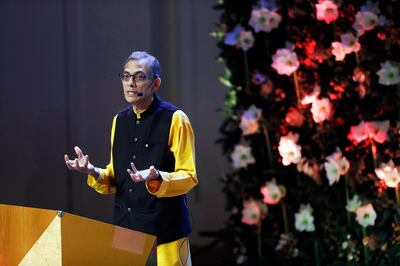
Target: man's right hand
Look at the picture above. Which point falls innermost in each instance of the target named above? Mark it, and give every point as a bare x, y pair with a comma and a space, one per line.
81, 163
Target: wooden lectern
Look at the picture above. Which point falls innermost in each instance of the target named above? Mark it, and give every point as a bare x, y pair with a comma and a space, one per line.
30, 236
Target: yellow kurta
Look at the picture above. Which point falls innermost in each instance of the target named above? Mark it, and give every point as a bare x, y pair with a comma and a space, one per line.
178, 182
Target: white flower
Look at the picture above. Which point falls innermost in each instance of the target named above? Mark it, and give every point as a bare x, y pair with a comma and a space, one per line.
332, 172
272, 192
341, 161
246, 40
353, 204
241, 156
289, 150
285, 61
366, 215
389, 73
389, 173
304, 221
264, 20
321, 110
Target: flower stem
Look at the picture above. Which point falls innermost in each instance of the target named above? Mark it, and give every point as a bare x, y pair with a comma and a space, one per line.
316, 252
285, 217
366, 252
267, 141
297, 88
346, 184
246, 70
398, 199
373, 150
259, 243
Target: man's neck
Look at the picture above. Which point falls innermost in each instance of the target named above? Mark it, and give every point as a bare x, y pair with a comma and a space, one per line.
142, 107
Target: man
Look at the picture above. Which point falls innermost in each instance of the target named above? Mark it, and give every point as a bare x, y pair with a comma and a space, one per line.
154, 136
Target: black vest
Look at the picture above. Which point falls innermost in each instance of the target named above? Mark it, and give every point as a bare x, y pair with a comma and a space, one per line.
144, 142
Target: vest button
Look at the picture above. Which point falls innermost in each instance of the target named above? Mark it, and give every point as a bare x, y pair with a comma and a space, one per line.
135, 139
129, 209
137, 122
134, 157
130, 190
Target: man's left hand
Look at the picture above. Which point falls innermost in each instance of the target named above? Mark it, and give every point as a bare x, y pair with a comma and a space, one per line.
143, 175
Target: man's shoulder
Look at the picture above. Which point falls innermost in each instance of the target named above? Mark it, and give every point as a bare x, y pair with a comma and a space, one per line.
125, 112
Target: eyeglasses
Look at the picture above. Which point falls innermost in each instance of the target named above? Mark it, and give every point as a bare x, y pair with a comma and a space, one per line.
138, 78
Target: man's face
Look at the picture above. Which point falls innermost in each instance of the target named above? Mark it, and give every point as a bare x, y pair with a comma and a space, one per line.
140, 84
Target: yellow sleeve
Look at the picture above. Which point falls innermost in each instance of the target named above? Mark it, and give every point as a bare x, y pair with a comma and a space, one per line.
105, 183
181, 143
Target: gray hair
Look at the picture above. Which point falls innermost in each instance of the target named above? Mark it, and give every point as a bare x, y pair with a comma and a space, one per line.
151, 61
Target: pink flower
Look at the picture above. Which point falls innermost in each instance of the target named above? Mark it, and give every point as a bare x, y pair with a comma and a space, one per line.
246, 40
264, 20
272, 192
321, 110
289, 150
285, 61
253, 212
376, 130
327, 10
249, 121
294, 117
389, 173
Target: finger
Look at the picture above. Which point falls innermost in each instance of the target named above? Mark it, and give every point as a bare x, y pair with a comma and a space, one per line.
78, 152
134, 168
66, 158
86, 161
67, 163
76, 163
132, 175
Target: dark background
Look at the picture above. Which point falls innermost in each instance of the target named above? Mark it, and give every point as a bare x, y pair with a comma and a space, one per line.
59, 88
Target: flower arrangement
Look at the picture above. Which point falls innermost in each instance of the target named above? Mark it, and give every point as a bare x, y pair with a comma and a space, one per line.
312, 131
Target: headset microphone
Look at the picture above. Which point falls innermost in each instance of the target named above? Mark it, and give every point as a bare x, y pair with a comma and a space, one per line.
140, 94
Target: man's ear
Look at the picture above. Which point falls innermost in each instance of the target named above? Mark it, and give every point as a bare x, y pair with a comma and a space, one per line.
156, 84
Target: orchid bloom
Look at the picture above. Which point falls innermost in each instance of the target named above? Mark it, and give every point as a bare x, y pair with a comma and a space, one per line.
272, 192
304, 220
246, 40
353, 204
327, 11
249, 121
263, 19
289, 150
366, 215
285, 61
376, 130
389, 173
253, 212
241, 156
321, 110
389, 74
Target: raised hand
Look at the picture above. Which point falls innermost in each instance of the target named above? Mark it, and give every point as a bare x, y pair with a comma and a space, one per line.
81, 163
143, 175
